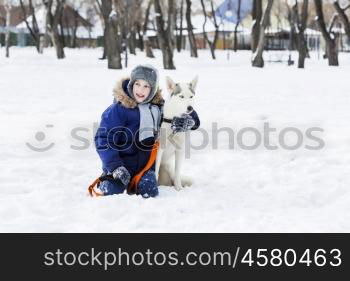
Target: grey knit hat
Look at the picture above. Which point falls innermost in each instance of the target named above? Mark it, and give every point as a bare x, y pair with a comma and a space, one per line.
148, 73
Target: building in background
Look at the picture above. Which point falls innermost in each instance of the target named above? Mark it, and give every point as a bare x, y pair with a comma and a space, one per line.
75, 29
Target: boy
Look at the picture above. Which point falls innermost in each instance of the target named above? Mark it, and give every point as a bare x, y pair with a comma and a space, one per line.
128, 130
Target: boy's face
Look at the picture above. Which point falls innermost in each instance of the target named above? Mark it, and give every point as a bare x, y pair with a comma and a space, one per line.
141, 90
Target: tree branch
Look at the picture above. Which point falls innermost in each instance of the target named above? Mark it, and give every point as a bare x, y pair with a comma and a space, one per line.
205, 22
145, 24
321, 22
343, 17
26, 21
333, 21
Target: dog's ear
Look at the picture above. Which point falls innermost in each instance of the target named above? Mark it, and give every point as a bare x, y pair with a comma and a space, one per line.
170, 84
193, 83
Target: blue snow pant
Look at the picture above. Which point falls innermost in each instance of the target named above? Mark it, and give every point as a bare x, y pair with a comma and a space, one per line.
147, 187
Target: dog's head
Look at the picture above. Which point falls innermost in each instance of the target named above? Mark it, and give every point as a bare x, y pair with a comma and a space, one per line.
181, 95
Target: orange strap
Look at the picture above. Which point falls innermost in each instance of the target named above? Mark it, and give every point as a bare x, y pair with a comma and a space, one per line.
132, 188
136, 179
91, 189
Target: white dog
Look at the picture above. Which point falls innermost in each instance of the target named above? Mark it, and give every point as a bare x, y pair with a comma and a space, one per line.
171, 151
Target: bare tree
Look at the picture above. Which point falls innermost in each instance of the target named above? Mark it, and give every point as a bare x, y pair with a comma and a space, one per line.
343, 17
256, 15
191, 37
133, 24
212, 44
127, 11
138, 27
105, 9
136, 24
258, 60
179, 37
76, 8
97, 6
163, 38
329, 37
34, 27
54, 9
171, 22
90, 16
114, 38
299, 23
8, 9
237, 24
147, 44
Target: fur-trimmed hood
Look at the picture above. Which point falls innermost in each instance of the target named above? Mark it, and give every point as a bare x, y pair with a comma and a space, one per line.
121, 96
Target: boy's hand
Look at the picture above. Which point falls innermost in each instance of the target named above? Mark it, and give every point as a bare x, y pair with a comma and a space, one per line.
122, 174
183, 123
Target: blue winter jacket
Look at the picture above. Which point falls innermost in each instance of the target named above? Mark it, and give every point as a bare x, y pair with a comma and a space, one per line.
117, 140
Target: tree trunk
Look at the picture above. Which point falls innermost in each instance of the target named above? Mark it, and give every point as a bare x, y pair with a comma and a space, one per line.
105, 7
122, 8
332, 53
237, 25
258, 60
34, 29
300, 23
212, 44
56, 41
148, 47
256, 15
113, 41
75, 28
331, 45
302, 50
58, 44
41, 43
53, 20
98, 9
61, 33
139, 37
45, 39
105, 42
171, 23
8, 8
216, 34
179, 37
132, 41
191, 37
163, 38
147, 44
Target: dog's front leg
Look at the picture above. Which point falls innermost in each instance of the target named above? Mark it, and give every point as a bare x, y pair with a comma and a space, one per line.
158, 161
178, 165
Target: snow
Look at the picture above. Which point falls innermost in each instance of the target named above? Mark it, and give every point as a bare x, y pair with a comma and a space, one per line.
235, 190
309, 31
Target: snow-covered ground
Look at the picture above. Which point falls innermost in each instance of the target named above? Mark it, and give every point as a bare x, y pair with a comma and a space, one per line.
235, 190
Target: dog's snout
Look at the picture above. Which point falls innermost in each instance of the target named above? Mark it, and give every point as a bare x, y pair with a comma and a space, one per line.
189, 108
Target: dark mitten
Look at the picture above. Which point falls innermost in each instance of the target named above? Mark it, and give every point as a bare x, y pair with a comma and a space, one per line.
122, 174
183, 123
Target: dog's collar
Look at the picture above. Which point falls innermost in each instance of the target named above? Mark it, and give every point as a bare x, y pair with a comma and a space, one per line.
167, 120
